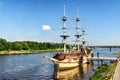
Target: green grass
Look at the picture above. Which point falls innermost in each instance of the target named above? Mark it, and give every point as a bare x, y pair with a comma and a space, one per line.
3, 52
28, 51
104, 72
98, 73
110, 71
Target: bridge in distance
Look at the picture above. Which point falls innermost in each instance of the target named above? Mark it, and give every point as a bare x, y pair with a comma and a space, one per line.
104, 46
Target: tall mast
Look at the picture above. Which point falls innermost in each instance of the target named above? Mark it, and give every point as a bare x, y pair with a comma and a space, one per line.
77, 31
83, 38
64, 35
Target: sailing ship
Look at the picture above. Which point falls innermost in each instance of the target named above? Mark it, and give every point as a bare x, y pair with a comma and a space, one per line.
75, 58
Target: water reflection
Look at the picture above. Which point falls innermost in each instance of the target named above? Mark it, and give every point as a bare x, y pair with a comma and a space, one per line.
80, 73
67, 74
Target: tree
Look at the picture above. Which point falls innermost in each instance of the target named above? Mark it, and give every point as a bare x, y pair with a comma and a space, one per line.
16, 46
25, 46
3, 44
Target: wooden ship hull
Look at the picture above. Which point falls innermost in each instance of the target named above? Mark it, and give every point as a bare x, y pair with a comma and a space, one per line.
66, 61
66, 65
70, 60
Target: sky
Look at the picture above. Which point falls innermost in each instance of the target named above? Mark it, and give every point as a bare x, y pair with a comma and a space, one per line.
22, 20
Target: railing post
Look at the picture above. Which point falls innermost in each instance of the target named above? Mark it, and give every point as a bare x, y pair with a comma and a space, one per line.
101, 62
98, 55
98, 58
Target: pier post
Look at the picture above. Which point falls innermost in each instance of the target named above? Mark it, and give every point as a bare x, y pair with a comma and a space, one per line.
56, 71
98, 55
110, 49
101, 62
92, 61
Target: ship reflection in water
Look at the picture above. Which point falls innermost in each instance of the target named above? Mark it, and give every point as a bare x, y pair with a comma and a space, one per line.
67, 74
79, 73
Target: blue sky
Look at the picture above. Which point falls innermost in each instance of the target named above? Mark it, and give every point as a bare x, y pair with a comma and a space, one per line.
23, 19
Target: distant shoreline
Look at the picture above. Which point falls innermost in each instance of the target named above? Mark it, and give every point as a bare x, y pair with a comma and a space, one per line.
28, 51
117, 53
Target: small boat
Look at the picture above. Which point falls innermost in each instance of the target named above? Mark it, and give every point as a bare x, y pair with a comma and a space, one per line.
68, 60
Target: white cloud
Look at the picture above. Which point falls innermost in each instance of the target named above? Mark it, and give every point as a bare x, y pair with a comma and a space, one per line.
46, 27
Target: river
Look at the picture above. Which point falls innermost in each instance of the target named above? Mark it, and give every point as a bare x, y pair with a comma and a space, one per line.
36, 67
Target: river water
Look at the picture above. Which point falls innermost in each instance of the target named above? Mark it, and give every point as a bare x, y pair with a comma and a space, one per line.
36, 67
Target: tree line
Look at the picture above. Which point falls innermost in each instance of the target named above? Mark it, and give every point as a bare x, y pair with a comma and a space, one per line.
28, 45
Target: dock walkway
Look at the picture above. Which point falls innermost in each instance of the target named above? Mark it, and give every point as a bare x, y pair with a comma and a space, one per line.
117, 72
102, 58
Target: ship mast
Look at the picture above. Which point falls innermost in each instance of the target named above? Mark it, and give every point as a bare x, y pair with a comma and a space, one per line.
83, 38
64, 35
77, 35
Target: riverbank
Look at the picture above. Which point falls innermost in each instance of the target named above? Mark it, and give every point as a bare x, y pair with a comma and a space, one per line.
117, 53
104, 72
28, 51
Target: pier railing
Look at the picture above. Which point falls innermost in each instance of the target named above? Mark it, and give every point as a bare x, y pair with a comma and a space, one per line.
102, 58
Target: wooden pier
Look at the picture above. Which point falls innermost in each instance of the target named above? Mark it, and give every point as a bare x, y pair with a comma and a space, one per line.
102, 58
